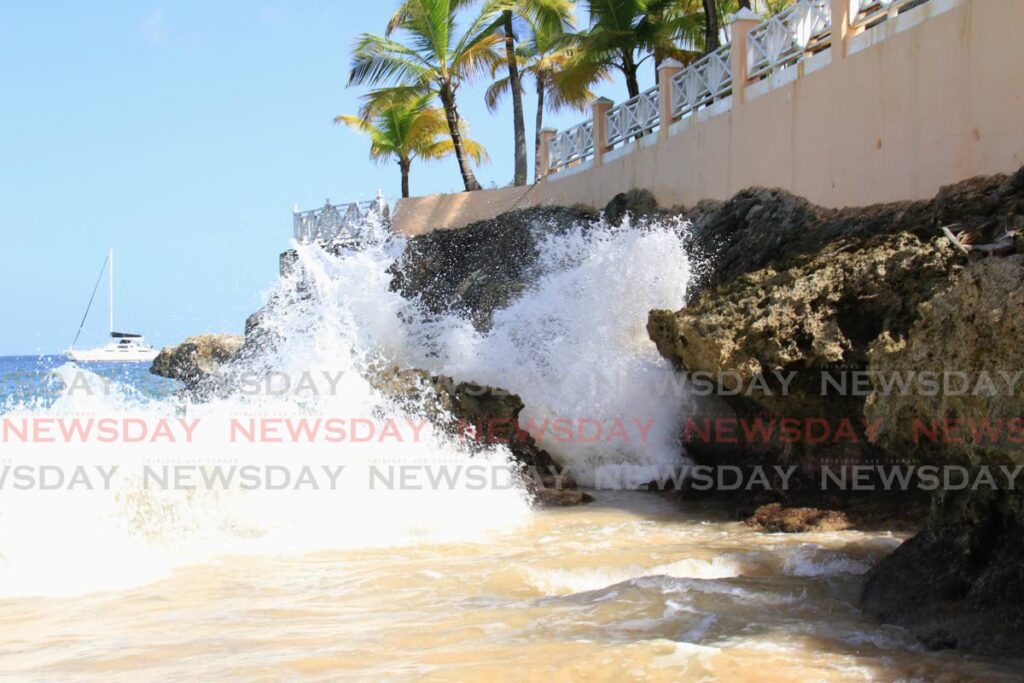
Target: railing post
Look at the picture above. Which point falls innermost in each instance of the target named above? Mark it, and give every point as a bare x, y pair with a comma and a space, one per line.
546, 136
668, 69
840, 28
742, 23
598, 110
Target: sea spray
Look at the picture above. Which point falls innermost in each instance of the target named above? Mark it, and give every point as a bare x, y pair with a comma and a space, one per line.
575, 345
142, 526
572, 345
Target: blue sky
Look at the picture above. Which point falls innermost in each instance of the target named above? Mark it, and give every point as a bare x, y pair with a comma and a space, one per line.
181, 134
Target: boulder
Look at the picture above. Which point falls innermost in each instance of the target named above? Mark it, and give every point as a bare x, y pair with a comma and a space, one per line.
775, 517
636, 203
959, 583
484, 415
481, 268
196, 358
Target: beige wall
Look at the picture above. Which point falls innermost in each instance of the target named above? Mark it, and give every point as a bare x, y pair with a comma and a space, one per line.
931, 97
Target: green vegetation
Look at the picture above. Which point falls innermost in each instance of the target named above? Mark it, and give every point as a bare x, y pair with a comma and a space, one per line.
424, 57
402, 126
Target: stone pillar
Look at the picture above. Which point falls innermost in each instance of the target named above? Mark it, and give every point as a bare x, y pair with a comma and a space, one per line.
666, 71
598, 109
742, 22
840, 28
546, 136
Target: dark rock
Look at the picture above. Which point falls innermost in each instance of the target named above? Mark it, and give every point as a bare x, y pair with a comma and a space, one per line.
196, 358
960, 582
484, 416
730, 238
481, 268
636, 203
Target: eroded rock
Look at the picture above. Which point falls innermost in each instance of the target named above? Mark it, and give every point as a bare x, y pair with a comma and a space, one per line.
481, 268
196, 358
789, 287
775, 517
482, 415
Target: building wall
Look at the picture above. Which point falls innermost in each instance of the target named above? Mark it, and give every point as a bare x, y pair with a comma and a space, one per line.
931, 97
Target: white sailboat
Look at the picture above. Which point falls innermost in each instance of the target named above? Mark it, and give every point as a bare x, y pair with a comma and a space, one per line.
123, 347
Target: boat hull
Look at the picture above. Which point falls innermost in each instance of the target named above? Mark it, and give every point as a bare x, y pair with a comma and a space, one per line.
112, 355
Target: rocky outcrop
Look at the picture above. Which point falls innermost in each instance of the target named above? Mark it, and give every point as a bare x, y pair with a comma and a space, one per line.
959, 582
874, 299
196, 358
483, 415
476, 270
971, 337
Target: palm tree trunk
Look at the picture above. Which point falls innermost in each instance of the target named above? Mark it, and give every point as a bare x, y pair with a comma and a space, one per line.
540, 127
404, 164
451, 114
629, 71
519, 128
710, 26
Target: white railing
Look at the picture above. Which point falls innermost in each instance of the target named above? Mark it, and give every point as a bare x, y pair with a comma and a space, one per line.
571, 145
703, 82
785, 38
868, 12
634, 117
781, 41
341, 223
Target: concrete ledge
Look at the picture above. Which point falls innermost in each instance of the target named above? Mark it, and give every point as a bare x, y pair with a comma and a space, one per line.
420, 215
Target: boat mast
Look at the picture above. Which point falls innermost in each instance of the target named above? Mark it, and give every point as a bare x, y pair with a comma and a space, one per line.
110, 257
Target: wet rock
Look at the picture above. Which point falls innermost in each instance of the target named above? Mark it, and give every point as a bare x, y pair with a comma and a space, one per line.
960, 582
636, 203
483, 416
476, 270
775, 517
196, 358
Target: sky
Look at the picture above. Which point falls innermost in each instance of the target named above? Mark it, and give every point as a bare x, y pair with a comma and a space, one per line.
181, 134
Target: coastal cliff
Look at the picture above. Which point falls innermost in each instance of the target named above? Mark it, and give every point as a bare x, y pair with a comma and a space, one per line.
786, 289
882, 296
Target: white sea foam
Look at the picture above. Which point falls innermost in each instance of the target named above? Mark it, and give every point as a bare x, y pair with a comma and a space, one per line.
573, 345
813, 560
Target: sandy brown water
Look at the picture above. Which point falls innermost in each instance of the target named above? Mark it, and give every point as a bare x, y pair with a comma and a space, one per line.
630, 588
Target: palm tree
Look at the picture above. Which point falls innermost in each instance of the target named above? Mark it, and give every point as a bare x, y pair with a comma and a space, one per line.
544, 54
711, 42
403, 126
436, 60
625, 33
551, 16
